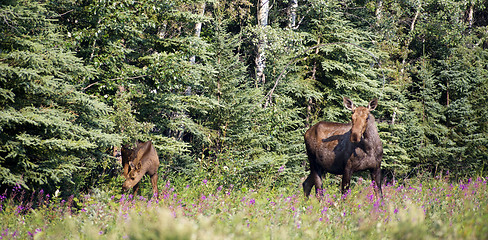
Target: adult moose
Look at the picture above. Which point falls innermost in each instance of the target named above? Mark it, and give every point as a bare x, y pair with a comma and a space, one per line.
137, 162
344, 148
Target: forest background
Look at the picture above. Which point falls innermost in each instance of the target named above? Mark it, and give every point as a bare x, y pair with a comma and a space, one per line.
226, 89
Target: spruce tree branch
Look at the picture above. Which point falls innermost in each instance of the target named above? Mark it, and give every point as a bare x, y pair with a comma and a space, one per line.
136, 77
122, 78
62, 14
295, 60
90, 85
5, 19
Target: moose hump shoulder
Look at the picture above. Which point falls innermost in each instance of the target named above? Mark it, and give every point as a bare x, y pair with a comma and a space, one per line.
344, 148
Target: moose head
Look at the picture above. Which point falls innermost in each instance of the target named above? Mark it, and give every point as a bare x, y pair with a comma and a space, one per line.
360, 117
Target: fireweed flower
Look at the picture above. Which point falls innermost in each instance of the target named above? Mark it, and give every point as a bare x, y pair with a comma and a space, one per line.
324, 210
371, 197
165, 195
38, 230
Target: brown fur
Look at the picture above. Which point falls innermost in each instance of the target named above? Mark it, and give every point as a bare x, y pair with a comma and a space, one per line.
343, 149
126, 153
141, 160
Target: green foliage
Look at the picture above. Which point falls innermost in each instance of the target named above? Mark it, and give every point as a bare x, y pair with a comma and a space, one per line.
419, 208
50, 131
73, 73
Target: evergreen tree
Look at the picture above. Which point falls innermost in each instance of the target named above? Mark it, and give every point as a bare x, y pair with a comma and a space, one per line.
52, 135
465, 77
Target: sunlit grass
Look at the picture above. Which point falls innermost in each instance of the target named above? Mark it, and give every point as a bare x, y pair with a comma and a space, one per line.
415, 209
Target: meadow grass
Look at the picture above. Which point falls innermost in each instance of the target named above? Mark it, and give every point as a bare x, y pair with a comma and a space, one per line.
415, 209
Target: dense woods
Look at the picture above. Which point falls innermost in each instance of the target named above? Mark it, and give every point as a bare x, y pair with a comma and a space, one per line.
226, 89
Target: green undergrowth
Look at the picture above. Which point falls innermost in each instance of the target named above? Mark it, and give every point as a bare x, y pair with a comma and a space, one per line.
415, 209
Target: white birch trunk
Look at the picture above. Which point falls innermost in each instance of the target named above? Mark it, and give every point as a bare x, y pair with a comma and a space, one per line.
409, 39
292, 17
198, 28
470, 16
263, 11
379, 9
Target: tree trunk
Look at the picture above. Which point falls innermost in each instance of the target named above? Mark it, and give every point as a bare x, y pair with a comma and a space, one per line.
198, 28
417, 13
263, 11
379, 9
410, 37
292, 14
470, 16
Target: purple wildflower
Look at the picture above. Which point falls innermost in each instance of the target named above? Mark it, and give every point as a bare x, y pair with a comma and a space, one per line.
371, 197
324, 210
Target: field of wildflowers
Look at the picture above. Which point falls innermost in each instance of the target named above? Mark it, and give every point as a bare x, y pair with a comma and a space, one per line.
421, 208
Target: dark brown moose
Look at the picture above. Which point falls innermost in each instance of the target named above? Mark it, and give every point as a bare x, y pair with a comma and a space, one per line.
137, 162
344, 148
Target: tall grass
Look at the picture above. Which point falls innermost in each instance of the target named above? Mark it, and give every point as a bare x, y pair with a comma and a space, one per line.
415, 209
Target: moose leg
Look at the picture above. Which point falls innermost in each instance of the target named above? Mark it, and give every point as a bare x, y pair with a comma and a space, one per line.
346, 180
376, 178
154, 183
307, 185
318, 184
136, 188
313, 179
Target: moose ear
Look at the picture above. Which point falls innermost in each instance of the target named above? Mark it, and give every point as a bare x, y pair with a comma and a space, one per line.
348, 103
373, 104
